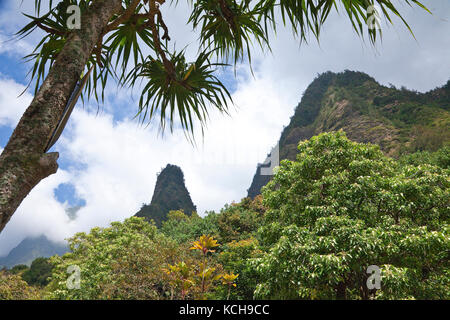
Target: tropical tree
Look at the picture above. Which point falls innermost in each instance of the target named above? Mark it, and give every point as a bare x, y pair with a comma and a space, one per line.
123, 261
183, 228
235, 257
240, 221
12, 287
343, 207
39, 272
196, 279
113, 35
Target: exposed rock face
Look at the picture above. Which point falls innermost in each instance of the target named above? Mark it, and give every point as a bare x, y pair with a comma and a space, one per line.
170, 194
399, 121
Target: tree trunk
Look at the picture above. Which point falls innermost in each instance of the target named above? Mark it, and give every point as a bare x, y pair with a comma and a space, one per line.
23, 163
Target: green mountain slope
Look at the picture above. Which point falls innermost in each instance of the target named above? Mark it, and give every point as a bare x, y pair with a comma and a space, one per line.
400, 121
30, 249
170, 194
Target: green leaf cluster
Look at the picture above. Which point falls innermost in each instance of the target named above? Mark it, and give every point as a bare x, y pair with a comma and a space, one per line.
343, 206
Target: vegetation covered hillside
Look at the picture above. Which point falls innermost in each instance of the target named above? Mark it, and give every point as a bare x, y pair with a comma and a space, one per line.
30, 249
170, 194
324, 219
400, 121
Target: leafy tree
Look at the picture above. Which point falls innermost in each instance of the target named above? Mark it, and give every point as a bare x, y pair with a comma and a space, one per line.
123, 261
12, 287
39, 272
240, 221
440, 158
343, 206
184, 228
113, 32
235, 257
198, 279
18, 269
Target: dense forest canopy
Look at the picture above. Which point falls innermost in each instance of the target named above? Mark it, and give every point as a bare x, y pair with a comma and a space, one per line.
323, 219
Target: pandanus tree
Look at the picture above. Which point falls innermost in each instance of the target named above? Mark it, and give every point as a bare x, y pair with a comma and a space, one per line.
113, 40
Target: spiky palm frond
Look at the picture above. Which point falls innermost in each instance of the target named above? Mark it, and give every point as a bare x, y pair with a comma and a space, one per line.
230, 26
172, 86
124, 42
188, 91
306, 16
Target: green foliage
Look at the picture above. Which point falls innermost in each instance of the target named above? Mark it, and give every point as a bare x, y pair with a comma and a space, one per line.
187, 88
229, 25
18, 269
428, 138
240, 221
321, 221
440, 158
12, 287
343, 206
399, 121
120, 262
39, 272
311, 101
198, 279
235, 257
183, 228
54, 23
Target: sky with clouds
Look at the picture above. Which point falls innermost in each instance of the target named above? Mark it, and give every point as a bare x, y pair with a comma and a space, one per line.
109, 162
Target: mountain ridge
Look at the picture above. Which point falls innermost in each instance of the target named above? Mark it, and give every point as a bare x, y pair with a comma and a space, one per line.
31, 248
398, 120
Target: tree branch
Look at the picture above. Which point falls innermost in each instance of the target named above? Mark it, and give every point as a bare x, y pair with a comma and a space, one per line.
125, 16
228, 14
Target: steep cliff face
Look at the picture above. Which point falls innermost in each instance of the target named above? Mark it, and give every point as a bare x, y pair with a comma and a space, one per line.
170, 194
398, 120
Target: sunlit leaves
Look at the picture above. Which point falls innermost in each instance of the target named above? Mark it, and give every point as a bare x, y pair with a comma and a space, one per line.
343, 206
123, 42
229, 279
115, 262
195, 280
205, 244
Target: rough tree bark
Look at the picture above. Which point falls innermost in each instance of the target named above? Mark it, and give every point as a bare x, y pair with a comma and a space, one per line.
23, 163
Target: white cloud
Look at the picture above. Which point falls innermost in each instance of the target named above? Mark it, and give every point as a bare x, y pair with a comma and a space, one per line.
14, 46
12, 103
114, 165
39, 214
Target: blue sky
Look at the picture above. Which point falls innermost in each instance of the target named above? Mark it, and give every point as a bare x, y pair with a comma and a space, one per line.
108, 161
